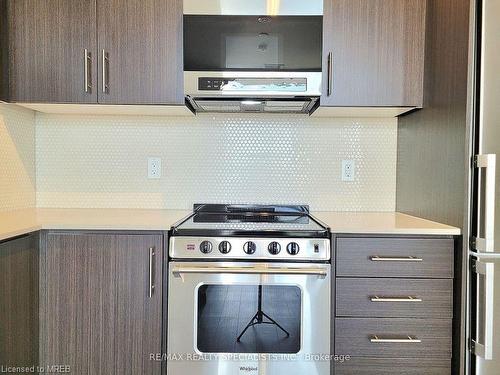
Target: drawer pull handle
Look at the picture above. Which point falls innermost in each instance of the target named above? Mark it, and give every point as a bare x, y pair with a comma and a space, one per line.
376, 258
405, 340
395, 299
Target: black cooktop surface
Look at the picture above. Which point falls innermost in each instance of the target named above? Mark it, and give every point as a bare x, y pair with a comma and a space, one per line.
250, 220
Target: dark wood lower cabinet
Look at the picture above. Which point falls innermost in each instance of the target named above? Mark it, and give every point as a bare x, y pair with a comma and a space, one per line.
393, 305
419, 338
96, 311
19, 302
401, 366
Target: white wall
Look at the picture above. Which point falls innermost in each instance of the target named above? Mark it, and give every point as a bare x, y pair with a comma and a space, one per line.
17, 158
101, 161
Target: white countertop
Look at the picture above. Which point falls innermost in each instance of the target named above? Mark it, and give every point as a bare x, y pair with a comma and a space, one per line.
15, 223
383, 223
19, 222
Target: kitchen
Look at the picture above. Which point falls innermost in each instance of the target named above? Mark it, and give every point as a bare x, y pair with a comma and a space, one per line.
232, 187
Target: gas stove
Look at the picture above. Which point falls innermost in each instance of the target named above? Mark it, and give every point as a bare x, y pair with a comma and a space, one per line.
260, 232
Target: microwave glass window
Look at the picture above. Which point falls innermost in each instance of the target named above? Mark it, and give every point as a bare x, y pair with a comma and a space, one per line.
249, 319
243, 43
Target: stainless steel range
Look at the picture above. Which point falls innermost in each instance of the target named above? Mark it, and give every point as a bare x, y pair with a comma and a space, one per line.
249, 292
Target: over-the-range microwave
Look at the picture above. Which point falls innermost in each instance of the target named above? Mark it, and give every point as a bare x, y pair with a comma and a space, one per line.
253, 56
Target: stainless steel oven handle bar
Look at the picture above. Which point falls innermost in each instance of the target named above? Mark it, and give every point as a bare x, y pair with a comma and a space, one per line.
179, 270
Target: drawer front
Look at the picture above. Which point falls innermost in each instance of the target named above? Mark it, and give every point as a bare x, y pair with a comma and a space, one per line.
363, 297
393, 337
395, 257
402, 366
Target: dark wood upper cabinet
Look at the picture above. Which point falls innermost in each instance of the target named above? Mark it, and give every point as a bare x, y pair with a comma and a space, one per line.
4, 49
97, 314
376, 52
19, 302
140, 51
94, 51
47, 43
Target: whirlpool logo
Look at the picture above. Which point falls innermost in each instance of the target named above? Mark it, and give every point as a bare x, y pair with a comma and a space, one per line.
248, 369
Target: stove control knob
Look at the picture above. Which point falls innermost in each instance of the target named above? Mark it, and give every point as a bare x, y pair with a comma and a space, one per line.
249, 247
206, 247
225, 247
293, 248
274, 248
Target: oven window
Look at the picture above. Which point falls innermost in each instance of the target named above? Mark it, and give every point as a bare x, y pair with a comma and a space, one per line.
249, 319
240, 43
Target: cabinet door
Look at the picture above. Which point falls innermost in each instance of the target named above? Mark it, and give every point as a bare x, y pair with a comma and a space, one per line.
19, 302
376, 48
140, 51
47, 60
97, 312
4, 49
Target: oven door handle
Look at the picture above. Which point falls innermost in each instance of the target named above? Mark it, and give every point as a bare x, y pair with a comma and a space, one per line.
179, 270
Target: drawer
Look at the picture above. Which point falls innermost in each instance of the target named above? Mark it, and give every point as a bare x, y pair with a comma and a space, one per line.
401, 366
395, 257
393, 337
363, 297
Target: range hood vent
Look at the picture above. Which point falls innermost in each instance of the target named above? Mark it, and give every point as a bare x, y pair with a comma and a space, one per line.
247, 105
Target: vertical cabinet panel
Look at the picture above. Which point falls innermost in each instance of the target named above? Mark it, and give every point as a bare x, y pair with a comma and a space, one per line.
4, 52
65, 302
19, 302
47, 42
140, 51
97, 313
377, 52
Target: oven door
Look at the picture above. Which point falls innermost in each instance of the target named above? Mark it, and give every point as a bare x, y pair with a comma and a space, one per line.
248, 318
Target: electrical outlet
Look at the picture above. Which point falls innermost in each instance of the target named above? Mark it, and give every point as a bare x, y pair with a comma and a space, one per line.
348, 170
154, 167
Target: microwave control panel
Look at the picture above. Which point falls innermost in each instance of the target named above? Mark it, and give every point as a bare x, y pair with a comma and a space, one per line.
212, 84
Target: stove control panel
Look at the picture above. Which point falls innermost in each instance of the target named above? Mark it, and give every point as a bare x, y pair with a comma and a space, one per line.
186, 247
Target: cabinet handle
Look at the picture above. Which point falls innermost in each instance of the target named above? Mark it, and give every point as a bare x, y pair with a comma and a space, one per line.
404, 340
376, 258
487, 195
105, 63
395, 299
87, 80
485, 310
329, 89
151, 271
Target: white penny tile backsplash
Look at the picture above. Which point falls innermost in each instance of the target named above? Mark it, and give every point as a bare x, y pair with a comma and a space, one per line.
101, 161
17, 158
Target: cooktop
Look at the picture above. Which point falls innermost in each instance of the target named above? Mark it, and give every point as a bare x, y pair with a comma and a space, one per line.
250, 220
